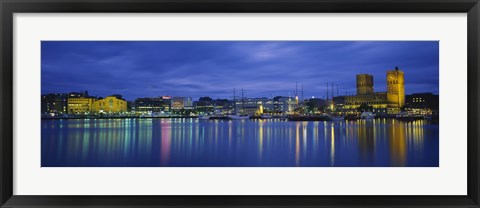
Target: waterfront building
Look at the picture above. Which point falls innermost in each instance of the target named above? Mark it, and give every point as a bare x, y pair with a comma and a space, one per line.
167, 103
204, 105
338, 102
249, 110
396, 86
267, 104
223, 106
179, 103
207, 105
364, 84
54, 104
378, 100
110, 105
188, 104
284, 105
260, 109
148, 106
251, 106
422, 103
131, 106
80, 105
388, 102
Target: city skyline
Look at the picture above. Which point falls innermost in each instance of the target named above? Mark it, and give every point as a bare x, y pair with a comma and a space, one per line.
213, 68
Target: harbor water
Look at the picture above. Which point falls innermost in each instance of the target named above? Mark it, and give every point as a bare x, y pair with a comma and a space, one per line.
190, 142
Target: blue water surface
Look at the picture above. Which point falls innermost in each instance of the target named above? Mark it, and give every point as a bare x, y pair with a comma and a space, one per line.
189, 142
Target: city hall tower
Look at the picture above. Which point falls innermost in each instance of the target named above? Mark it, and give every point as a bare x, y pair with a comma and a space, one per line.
364, 84
396, 87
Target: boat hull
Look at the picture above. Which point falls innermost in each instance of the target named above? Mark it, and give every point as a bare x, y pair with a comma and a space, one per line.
309, 118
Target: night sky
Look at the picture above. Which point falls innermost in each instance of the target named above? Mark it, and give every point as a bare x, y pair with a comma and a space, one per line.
213, 68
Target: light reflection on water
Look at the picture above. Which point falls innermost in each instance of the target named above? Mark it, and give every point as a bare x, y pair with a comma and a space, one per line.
245, 143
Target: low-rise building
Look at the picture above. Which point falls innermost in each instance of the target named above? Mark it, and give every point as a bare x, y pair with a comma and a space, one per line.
179, 103
283, 104
422, 103
110, 105
54, 104
152, 105
378, 100
252, 106
80, 105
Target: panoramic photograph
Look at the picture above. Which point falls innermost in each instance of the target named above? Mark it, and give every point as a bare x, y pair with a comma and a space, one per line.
240, 104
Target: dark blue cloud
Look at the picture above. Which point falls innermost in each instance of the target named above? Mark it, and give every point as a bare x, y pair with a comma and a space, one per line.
213, 68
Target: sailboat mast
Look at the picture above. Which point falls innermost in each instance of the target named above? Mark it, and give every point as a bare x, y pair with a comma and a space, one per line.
296, 89
333, 92
327, 93
302, 94
243, 105
337, 91
234, 101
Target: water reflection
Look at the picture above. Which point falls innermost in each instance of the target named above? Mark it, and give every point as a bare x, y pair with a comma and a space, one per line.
366, 140
397, 143
190, 142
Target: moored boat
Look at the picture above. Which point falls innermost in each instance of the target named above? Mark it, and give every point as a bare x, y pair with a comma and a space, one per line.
218, 117
204, 117
238, 117
408, 117
309, 118
367, 115
261, 117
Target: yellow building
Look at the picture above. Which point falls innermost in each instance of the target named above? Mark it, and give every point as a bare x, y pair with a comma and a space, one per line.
364, 84
378, 100
260, 108
110, 105
80, 105
382, 102
396, 86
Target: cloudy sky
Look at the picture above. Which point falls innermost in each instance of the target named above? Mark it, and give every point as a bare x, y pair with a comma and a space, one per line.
213, 68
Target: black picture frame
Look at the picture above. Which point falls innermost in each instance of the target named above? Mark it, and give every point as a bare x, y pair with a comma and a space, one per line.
9, 7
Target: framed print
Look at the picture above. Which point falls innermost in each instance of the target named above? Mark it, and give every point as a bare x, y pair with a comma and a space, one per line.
240, 103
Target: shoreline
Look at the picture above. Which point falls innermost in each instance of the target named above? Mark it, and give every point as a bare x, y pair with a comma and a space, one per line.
118, 117
195, 117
